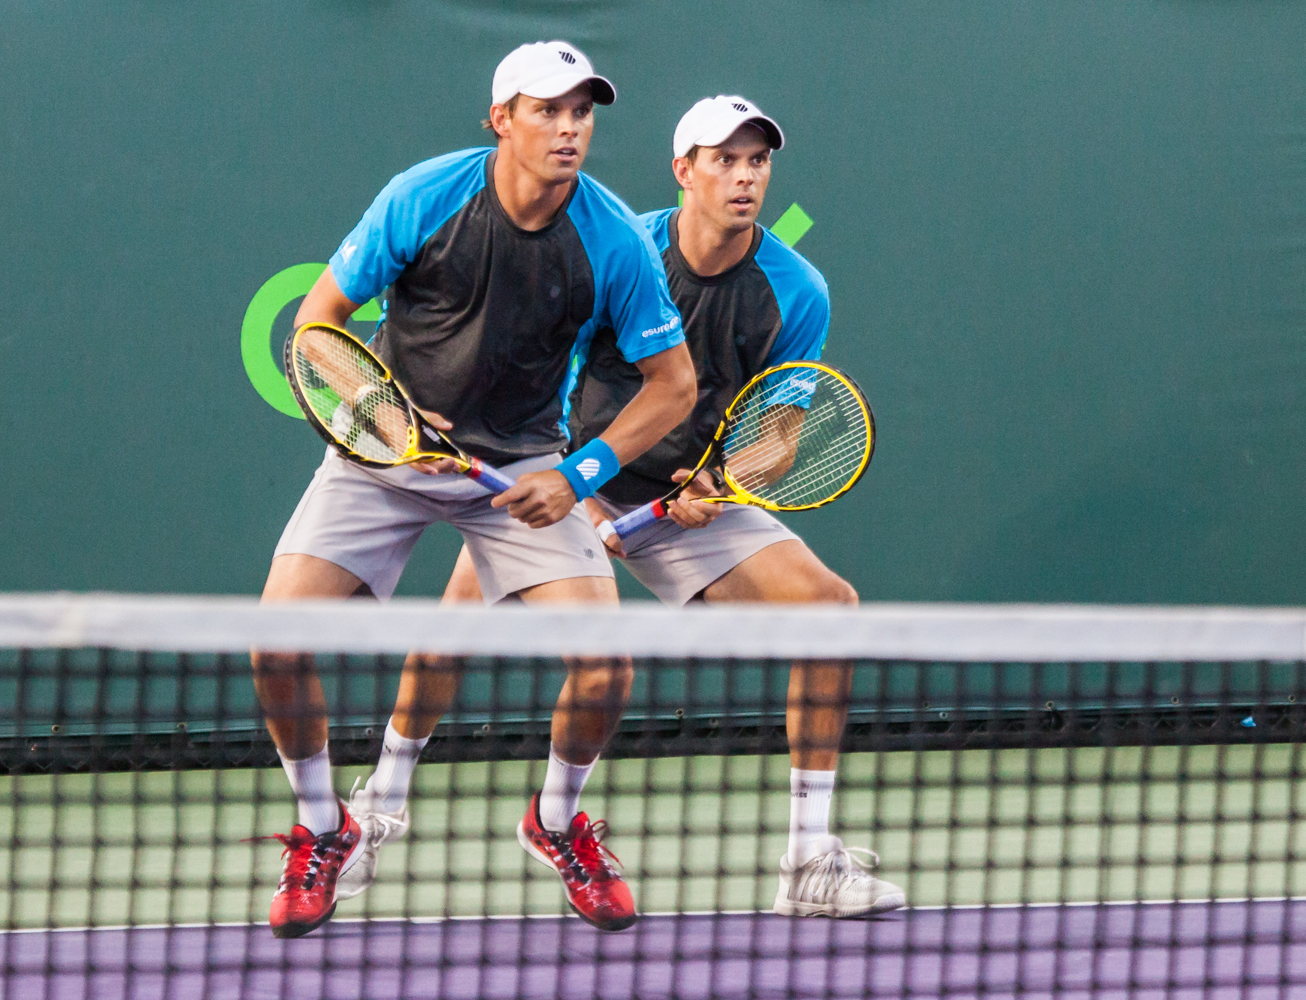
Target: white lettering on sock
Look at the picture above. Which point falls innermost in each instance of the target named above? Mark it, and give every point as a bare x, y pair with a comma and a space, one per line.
810, 793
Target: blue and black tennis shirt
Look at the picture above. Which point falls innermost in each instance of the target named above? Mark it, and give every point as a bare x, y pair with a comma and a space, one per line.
488, 324
771, 307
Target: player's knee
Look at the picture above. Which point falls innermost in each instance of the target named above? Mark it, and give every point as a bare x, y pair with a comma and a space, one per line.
841, 591
825, 587
621, 679
276, 666
279, 677
602, 681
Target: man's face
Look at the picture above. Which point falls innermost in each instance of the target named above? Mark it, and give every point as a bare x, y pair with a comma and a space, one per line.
728, 182
549, 137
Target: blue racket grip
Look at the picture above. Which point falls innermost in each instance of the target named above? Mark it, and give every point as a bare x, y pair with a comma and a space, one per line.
639, 518
489, 477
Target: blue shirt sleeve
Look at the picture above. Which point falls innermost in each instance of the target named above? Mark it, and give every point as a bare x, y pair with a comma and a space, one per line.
804, 300
639, 305
656, 225
630, 284
406, 213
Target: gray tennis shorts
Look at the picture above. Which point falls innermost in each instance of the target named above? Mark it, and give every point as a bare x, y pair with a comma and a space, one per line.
368, 520
678, 563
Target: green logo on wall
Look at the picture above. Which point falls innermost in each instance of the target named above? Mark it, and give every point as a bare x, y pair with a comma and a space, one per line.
286, 286
256, 332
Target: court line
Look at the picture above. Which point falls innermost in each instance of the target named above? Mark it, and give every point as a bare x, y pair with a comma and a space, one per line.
662, 914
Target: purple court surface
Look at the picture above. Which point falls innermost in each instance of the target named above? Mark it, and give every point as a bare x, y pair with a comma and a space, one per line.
1213, 951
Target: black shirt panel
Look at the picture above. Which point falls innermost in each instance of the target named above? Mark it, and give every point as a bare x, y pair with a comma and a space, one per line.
483, 317
730, 320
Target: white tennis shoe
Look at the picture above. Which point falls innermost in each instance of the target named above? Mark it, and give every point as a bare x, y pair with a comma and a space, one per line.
835, 883
379, 828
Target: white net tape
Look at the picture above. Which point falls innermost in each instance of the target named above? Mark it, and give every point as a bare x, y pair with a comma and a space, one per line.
954, 632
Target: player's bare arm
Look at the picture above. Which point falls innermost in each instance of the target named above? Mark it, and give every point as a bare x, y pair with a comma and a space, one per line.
688, 510
773, 453
326, 303
761, 463
668, 394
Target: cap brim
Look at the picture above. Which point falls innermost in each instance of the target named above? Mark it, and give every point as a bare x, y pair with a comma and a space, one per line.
601, 89
770, 130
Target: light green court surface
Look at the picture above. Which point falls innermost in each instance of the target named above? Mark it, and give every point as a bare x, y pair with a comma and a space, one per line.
1050, 825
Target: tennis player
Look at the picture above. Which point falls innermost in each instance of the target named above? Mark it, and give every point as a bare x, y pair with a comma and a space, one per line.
502, 266
748, 302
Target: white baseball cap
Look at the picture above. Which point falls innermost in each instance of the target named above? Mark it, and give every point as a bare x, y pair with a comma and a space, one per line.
547, 69
713, 120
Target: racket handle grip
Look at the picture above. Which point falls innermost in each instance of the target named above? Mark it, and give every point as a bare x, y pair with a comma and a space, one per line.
639, 518
489, 477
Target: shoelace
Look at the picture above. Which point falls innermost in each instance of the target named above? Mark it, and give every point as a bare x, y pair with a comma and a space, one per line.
377, 826
590, 853
304, 865
843, 865
381, 826
303, 868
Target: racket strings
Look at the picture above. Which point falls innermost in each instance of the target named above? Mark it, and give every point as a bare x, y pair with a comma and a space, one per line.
799, 439
350, 395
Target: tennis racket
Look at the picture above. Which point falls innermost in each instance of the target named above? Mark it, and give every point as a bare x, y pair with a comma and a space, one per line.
354, 403
797, 436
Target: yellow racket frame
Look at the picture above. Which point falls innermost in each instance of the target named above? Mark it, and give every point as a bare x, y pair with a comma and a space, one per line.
742, 495
411, 452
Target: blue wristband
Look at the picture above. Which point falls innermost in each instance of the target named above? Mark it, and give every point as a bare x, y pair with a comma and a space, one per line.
590, 467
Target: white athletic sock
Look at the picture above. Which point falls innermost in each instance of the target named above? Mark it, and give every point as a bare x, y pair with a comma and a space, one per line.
560, 798
319, 809
809, 812
394, 771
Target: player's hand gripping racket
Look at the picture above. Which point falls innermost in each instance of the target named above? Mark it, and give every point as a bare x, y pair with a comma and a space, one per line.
796, 437
353, 401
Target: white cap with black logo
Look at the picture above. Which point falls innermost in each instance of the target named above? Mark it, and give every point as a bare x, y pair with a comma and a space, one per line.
713, 120
547, 69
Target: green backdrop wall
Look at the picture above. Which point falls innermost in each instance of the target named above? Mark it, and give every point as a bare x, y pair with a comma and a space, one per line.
1066, 244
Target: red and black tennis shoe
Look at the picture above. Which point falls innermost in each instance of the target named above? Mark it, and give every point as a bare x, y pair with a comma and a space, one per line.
306, 896
590, 873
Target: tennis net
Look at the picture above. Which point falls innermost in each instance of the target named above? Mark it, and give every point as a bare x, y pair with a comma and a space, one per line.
1078, 802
